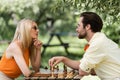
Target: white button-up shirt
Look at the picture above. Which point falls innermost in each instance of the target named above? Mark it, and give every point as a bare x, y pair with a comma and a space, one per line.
104, 56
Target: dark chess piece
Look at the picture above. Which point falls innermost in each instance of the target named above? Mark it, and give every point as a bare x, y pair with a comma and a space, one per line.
57, 67
65, 70
46, 68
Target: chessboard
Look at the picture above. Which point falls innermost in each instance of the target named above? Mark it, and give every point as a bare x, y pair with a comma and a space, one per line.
55, 73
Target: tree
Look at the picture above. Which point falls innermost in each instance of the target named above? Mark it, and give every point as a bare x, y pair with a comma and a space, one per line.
42, 11
54, 15
109, 10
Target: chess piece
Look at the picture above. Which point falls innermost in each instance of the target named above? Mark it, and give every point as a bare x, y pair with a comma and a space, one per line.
52, 72
70, 74
60, 76
57, 68
65, 70
52, 69
52, 77
46, 67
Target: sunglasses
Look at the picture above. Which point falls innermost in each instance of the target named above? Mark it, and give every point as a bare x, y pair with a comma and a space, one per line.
35, 28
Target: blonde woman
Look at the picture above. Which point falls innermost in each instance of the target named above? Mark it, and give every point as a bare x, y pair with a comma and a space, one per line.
24, 46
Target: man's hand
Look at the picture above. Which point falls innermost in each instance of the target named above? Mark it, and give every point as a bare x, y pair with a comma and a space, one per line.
55, 60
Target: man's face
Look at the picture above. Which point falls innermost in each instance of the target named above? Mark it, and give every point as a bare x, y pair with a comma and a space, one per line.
81, 31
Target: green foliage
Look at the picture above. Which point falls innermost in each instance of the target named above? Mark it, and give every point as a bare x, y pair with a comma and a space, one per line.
54, 15
109, 10
11, 12
42, 11
105, 7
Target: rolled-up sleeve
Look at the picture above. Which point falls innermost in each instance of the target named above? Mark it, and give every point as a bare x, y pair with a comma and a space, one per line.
92, 57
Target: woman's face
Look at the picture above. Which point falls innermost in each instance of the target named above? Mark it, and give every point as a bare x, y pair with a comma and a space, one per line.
34, 31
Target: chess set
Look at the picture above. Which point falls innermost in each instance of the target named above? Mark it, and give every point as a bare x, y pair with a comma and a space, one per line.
54, 73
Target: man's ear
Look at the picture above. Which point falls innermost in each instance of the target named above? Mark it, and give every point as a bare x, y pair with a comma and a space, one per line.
88, 27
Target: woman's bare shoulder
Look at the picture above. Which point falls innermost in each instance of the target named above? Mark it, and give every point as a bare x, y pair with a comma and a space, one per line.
13, 48
14, 45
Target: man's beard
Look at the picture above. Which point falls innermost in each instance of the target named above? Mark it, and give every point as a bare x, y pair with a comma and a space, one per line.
82, 36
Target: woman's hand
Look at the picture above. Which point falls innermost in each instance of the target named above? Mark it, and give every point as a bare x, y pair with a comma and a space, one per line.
37, 43
36, 56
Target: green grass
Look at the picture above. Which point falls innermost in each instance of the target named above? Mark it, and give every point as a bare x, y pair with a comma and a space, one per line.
76, 52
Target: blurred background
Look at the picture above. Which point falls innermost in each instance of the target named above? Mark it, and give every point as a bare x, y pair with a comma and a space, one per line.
58, 16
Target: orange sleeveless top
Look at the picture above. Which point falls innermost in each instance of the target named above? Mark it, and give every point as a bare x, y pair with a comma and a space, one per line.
9, 66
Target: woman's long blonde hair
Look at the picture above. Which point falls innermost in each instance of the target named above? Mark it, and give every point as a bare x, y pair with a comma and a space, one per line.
22, 33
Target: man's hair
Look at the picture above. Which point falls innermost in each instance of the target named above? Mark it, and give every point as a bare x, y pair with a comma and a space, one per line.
93, 19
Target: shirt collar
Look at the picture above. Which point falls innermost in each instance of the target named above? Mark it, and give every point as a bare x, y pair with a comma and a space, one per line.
94, 36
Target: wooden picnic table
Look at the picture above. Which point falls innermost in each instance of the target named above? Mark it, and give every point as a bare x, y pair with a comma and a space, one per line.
62, 43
